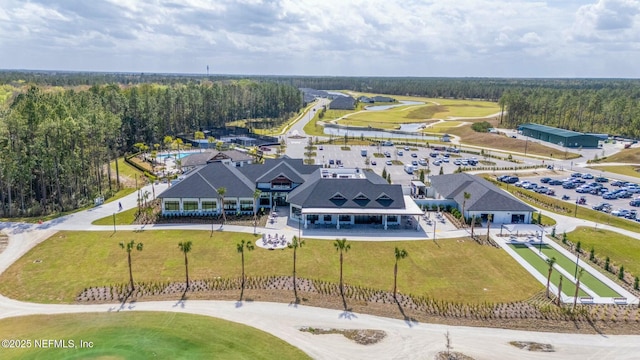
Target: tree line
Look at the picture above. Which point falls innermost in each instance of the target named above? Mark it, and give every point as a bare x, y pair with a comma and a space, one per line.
56, 143
606, 110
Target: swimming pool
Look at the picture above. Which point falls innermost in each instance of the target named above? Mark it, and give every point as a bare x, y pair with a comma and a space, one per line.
174, 155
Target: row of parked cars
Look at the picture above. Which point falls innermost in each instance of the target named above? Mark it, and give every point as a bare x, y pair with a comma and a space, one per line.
579, 182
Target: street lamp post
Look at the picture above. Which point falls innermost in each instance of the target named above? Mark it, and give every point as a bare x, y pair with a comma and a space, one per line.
114, 222
575, 273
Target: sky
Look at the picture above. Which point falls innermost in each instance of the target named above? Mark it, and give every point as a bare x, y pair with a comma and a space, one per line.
426, 38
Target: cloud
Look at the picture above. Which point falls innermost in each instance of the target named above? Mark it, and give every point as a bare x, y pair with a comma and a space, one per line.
333, 37
606, 21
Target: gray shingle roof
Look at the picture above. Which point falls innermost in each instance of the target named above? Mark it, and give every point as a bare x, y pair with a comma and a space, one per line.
206, 181
484, 195
326, 193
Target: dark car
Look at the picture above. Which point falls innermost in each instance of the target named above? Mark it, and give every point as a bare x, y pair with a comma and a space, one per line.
569, 185
545, 180
512, 180
602, 179
331, 162
555, 182
635, 202
414, 155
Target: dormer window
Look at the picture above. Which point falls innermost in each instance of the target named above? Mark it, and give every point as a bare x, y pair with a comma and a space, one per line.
338, 196
361, 197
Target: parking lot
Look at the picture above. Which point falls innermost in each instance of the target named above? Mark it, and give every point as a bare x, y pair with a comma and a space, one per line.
580, 189
354, 158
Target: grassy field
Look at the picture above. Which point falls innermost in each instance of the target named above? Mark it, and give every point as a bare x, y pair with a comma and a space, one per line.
569, 265
631, 156
628, 170
125, 217
622, 250
456, 269
507, 144
143, 335
568, 287
127, 172
432, 109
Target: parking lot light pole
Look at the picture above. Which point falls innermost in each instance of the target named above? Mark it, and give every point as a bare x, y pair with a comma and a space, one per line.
575, 213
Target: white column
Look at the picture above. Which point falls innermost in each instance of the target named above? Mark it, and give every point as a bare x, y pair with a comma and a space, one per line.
338, 223
384, 221
305, 221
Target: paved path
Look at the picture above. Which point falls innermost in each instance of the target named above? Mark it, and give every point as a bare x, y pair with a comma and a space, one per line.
404, 340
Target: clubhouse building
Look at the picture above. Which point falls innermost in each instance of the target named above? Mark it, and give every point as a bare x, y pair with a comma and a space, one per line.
484, 199
317, 197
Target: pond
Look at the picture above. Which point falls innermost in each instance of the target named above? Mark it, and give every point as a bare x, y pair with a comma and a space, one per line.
386, 107
377, 134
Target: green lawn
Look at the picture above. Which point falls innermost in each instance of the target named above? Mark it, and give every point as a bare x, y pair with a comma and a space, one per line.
568, 287
628, 170
587, 279
455, 270
142, 335
621, 249
125, 217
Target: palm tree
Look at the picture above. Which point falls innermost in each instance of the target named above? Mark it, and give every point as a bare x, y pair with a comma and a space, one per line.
295, 244
342, 247
466, 197
221, 192
128, 247
559, 291
400, 254
240, 247
489, 219
575, 296
185, 247
550, 262
256, 196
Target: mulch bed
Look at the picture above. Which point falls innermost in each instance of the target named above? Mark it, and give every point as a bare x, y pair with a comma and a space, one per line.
521, 316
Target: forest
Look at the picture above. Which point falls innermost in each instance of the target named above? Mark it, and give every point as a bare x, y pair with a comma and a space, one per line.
59, 130
56, 142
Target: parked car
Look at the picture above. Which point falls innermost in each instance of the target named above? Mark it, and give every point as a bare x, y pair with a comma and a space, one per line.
635, 202
389, 162
545, 180
610, 196
373, 162
620, 212
569, 185
414, 163
602, 179
576, 175
512, 180
414, 155
555, 182
331, 162
587, 176
601, 206
406, 148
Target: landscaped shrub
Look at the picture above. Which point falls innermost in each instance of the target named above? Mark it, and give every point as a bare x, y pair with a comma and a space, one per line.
592, 254
621, 272
606, 264
636, 283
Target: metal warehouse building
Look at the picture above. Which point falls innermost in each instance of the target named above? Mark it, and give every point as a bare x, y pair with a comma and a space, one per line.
560, 137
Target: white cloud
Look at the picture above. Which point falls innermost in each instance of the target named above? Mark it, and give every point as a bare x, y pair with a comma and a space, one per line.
333, 37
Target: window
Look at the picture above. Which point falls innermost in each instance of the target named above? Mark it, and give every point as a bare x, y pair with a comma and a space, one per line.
312, 218
327, 218
345, 218
209, 205
392, 218
190, 205
338, 196
361, 197
171, 205
296, 211
246, 205
230, 205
